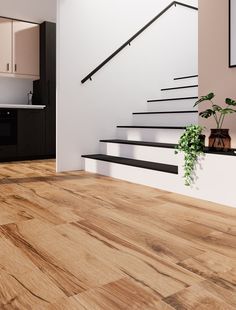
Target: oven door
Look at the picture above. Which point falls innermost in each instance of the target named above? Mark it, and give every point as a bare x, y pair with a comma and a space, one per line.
8, 128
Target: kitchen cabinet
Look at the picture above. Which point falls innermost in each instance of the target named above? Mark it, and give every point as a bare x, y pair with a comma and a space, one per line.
19, 49
8, 152
31, 133
6, 45
45, 88
25, 48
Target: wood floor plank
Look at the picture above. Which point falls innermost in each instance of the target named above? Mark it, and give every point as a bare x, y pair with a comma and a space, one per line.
159, 275
145, 235
58, 255
197, 297
82, 241
122, 294
215, 267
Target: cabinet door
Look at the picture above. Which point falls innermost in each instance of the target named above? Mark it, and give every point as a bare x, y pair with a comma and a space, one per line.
25, 48
31, 133
5, 45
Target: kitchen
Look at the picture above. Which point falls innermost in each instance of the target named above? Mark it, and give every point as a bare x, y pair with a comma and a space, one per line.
27, 80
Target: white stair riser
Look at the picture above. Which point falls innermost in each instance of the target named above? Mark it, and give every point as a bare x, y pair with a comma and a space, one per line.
146, 153
178, 119
183, 92
183, 82
206, 172
174, 105
150, 135
142, 176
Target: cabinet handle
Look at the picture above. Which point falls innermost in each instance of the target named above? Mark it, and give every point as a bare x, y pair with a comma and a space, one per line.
15, 67
8, 67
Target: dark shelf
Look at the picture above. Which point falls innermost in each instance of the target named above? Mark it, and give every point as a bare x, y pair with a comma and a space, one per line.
185, 77
135, 163
179, 87
166, 112
171, 99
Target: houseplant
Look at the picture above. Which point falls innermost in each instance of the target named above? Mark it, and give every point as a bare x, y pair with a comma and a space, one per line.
219, 138
191, 143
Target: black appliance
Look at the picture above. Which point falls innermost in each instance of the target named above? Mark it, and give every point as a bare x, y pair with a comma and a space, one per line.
8, 127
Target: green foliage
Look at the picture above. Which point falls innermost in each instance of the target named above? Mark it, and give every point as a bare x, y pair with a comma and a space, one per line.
216, 111
192, 145
230, 101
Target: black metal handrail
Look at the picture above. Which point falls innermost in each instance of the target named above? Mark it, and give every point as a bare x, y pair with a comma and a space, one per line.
174, 3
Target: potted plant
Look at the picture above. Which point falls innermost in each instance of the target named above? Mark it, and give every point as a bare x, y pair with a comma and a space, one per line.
192, 144
219, 138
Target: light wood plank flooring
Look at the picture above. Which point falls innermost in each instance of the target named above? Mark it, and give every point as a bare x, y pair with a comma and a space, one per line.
83, 241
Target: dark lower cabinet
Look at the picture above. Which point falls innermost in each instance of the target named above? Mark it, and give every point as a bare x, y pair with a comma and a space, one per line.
31, 133
8, 152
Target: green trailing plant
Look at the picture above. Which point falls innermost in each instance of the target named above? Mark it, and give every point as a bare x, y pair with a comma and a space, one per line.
191, 143
219, 113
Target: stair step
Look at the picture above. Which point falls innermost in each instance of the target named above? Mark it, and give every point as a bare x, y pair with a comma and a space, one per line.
134, 163
141, 143
148, 151
179, 87
159, 134
172, 99
153, 127
165, 112
185, 77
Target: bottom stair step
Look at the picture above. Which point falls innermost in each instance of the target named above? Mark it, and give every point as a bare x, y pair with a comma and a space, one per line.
135, 163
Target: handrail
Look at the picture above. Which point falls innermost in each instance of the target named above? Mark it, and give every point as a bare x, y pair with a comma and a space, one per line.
174, 3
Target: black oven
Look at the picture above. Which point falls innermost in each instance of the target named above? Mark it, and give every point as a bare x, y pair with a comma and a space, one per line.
8, 127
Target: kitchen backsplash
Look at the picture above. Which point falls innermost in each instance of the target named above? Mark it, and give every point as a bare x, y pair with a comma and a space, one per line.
14, 91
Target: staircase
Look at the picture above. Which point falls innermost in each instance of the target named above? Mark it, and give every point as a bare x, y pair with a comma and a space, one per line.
144, 151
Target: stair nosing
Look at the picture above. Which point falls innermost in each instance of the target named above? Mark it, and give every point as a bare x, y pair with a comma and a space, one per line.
179, 87
172, 99
166, 112
134, 163
185, 77
141, 143
154, 127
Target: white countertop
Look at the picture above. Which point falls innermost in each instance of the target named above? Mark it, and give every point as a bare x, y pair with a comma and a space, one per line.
22, 106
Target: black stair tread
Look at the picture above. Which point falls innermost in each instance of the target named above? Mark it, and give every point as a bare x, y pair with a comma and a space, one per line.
230, 152
154, 127
141, 143
166, 112
172, 99
185, 77
179, 87
135, 163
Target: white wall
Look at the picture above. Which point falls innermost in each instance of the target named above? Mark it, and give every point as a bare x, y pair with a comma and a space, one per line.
88, 31
31, 10
14, 91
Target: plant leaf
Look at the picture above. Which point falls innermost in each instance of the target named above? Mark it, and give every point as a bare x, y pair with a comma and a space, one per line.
205, 98
217, 108
208, 113
230, 101
227, 111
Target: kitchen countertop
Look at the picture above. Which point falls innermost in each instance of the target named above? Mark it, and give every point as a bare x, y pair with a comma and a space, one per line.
22, 106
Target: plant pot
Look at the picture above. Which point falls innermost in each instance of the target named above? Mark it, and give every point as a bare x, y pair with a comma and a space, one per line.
203, 139
220, 139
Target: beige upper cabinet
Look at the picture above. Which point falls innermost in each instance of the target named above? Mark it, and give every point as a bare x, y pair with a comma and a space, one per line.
25, 48
5, 45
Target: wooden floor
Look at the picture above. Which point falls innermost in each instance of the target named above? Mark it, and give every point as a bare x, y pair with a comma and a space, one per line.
82, 241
